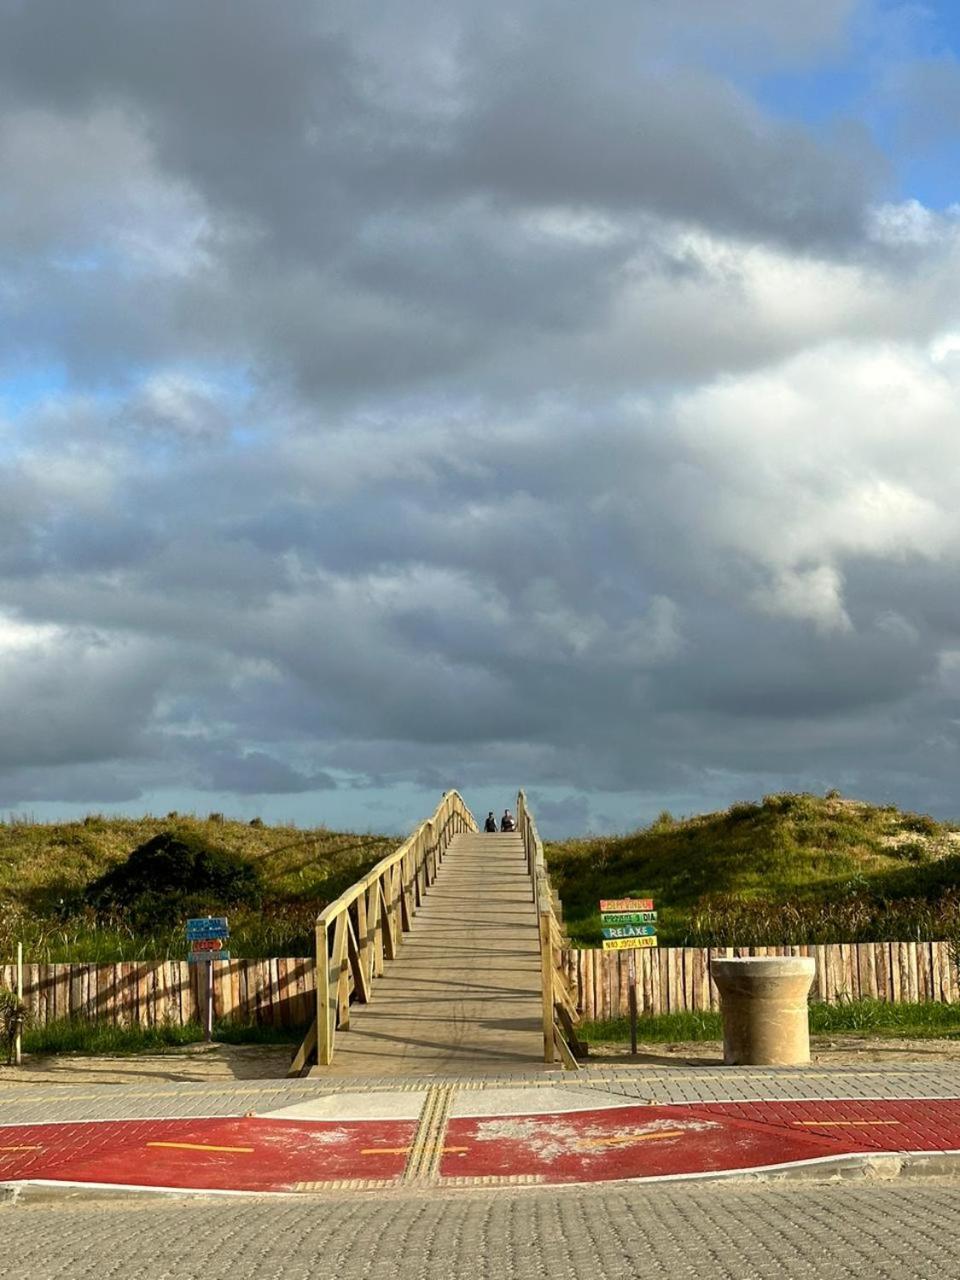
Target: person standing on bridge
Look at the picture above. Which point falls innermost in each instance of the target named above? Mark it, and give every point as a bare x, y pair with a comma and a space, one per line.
491, 822
508, 822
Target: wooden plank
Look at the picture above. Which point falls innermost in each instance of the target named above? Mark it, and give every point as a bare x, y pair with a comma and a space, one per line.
841, 989
624, 986
867, 965
340, 969
702, 993
305, 1052
925, 951
387, 921
881, 961
44, 1002
364, 954
354, 955
644, 983
375, 929
73, 990
894, 971
262, 1009
941, 969
953, 978
589, 1007
301, 1004
607, 970
909, 953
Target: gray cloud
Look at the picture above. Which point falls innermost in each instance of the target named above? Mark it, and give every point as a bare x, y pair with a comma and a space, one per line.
400, 400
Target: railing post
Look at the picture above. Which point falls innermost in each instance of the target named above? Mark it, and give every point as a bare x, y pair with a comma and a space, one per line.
324, 1027
546, 984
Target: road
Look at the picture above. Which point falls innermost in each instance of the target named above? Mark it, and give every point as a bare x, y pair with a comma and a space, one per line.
904, 1231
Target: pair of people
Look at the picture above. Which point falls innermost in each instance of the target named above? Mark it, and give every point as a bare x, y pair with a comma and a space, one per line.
507, 822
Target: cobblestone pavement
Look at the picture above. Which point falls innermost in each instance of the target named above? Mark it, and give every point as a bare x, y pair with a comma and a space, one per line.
30, 1103
910, 1231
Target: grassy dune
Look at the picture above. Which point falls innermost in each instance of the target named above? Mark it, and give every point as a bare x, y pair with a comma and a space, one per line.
44, 868
794, 868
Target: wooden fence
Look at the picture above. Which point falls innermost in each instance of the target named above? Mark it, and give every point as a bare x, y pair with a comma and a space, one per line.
281, 992
676, 979
273, 992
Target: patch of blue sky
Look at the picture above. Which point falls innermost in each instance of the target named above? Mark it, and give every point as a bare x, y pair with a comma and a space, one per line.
816, 97
25, 387
82, 262
932, 175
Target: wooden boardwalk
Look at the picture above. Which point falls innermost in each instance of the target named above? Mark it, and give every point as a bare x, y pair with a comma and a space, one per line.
464, 993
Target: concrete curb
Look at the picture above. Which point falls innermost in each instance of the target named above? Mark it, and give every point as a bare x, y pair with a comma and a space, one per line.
851, 1168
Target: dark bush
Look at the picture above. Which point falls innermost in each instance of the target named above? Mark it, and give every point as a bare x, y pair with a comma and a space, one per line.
172, 875
921, 823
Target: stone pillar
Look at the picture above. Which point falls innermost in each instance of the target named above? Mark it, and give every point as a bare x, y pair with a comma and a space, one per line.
763, 1000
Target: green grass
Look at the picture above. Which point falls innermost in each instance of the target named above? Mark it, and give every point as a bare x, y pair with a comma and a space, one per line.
101, 1038
794, 868
45, 866
852, 1017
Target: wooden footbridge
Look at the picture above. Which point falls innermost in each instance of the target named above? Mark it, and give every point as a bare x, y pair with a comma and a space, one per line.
444, 958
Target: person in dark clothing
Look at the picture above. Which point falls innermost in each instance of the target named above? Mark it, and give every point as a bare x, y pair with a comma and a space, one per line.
491, 822
508, 822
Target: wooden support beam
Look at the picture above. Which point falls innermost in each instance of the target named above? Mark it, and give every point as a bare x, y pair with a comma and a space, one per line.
341, 971
361, 984
301, 1059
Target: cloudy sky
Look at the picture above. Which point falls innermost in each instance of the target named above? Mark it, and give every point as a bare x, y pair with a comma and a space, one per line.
403, 396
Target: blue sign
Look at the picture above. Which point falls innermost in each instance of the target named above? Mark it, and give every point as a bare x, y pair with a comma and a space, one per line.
631, 931
208, 927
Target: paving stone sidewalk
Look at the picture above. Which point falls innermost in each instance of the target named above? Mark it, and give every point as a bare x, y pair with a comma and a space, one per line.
909, 1231
39, 1103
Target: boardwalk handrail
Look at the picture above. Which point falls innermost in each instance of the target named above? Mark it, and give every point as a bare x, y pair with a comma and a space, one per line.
363, 928
560, 1014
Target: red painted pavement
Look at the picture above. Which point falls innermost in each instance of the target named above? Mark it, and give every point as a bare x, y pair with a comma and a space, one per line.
253, 1154
644, 1142
223, 1154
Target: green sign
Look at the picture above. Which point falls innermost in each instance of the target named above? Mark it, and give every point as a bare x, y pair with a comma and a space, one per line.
631, 931
628, 917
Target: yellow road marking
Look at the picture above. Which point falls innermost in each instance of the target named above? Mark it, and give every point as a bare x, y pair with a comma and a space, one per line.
197, 1146
402, 1151
624, 1139
21, 1148
835, 1124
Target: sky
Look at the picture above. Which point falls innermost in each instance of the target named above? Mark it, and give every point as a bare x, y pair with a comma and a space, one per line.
403, 397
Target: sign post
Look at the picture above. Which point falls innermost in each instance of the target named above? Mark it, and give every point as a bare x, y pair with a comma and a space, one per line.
18, 1045
629, 924
206, 936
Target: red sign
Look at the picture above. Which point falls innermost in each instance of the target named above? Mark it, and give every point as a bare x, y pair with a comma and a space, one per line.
206, 944
626, 904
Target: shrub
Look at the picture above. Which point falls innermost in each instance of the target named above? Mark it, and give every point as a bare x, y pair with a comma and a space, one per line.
170, 876
921, 823
743, 811
13, 1018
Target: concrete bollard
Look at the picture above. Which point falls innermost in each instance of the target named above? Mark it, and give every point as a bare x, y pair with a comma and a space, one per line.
763, 1000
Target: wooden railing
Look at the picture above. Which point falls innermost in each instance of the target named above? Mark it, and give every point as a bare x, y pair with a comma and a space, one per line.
560, 1016
363, 928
